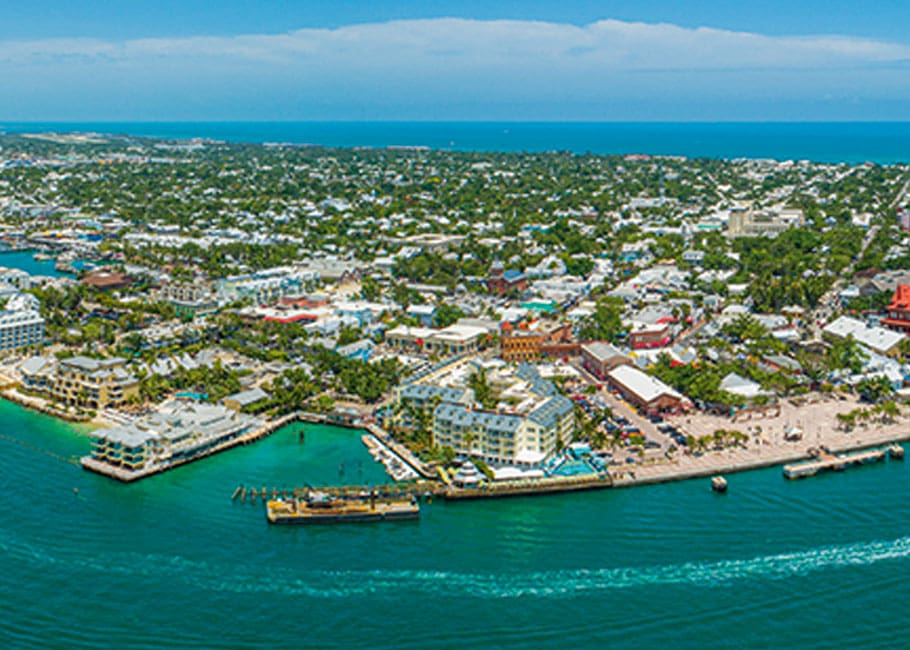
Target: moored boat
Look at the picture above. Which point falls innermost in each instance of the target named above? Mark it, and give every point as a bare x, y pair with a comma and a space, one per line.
719, 484
896, 452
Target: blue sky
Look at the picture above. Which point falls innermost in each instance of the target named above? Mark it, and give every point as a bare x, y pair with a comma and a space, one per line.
467, 60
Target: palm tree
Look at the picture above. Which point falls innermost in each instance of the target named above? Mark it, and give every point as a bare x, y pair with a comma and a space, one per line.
889, 411
469, 439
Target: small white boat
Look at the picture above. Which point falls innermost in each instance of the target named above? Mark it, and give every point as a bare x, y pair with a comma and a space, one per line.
719, 484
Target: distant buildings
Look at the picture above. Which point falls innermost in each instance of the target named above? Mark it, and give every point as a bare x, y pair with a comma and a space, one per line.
644, 336
243, 399
877, 339
17, 279
107, 280
517, 344
600, 358
502, 280
749, 223
190, 299
448, 341
432, 242
903, 218
646, 392
265, 286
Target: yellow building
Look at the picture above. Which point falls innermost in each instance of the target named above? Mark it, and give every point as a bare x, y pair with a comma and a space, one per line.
92, 383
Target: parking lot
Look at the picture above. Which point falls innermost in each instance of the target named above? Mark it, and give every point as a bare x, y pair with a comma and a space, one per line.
658, 435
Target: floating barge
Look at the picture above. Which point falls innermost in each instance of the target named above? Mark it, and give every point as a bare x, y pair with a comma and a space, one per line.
827, 462
322, 508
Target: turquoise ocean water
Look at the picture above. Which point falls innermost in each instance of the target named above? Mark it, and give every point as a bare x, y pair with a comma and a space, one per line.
883, 142
25, 261
172, 562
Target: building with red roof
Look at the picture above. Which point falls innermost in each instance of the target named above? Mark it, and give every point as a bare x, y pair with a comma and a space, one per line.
899, 310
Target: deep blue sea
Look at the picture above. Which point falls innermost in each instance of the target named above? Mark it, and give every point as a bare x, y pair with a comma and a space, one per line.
172, 562
882, 142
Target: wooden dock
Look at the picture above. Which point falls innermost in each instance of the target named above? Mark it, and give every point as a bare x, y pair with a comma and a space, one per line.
827, 462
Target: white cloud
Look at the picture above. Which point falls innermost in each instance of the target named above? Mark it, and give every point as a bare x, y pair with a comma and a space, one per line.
417, 44
453, 68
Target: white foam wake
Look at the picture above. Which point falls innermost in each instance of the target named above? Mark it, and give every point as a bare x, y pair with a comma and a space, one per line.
542, 584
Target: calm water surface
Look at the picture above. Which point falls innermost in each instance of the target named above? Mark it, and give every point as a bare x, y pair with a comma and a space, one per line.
25, 261
883, 142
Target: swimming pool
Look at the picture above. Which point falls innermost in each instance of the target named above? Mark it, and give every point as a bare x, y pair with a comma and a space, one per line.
573, 468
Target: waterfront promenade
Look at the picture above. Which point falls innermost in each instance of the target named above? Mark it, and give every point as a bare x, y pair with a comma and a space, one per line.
768, 445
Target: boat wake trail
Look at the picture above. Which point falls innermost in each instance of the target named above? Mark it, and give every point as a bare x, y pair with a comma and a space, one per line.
544, 584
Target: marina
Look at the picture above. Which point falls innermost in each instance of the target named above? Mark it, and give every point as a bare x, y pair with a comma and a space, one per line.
395, 466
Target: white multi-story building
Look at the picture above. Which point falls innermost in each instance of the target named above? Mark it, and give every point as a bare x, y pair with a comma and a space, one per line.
21, 325
527, 425
17, 278
266, 286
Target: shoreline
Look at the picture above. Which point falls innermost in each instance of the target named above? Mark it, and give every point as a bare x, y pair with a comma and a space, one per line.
730, 461
39, 405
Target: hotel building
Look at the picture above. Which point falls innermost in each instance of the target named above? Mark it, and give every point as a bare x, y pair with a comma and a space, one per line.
527, 425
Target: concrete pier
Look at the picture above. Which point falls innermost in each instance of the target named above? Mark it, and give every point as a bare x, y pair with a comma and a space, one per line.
830, 462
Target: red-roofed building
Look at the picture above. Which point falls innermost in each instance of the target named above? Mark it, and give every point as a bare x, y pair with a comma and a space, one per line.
500, 280
105, 279
899, 310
